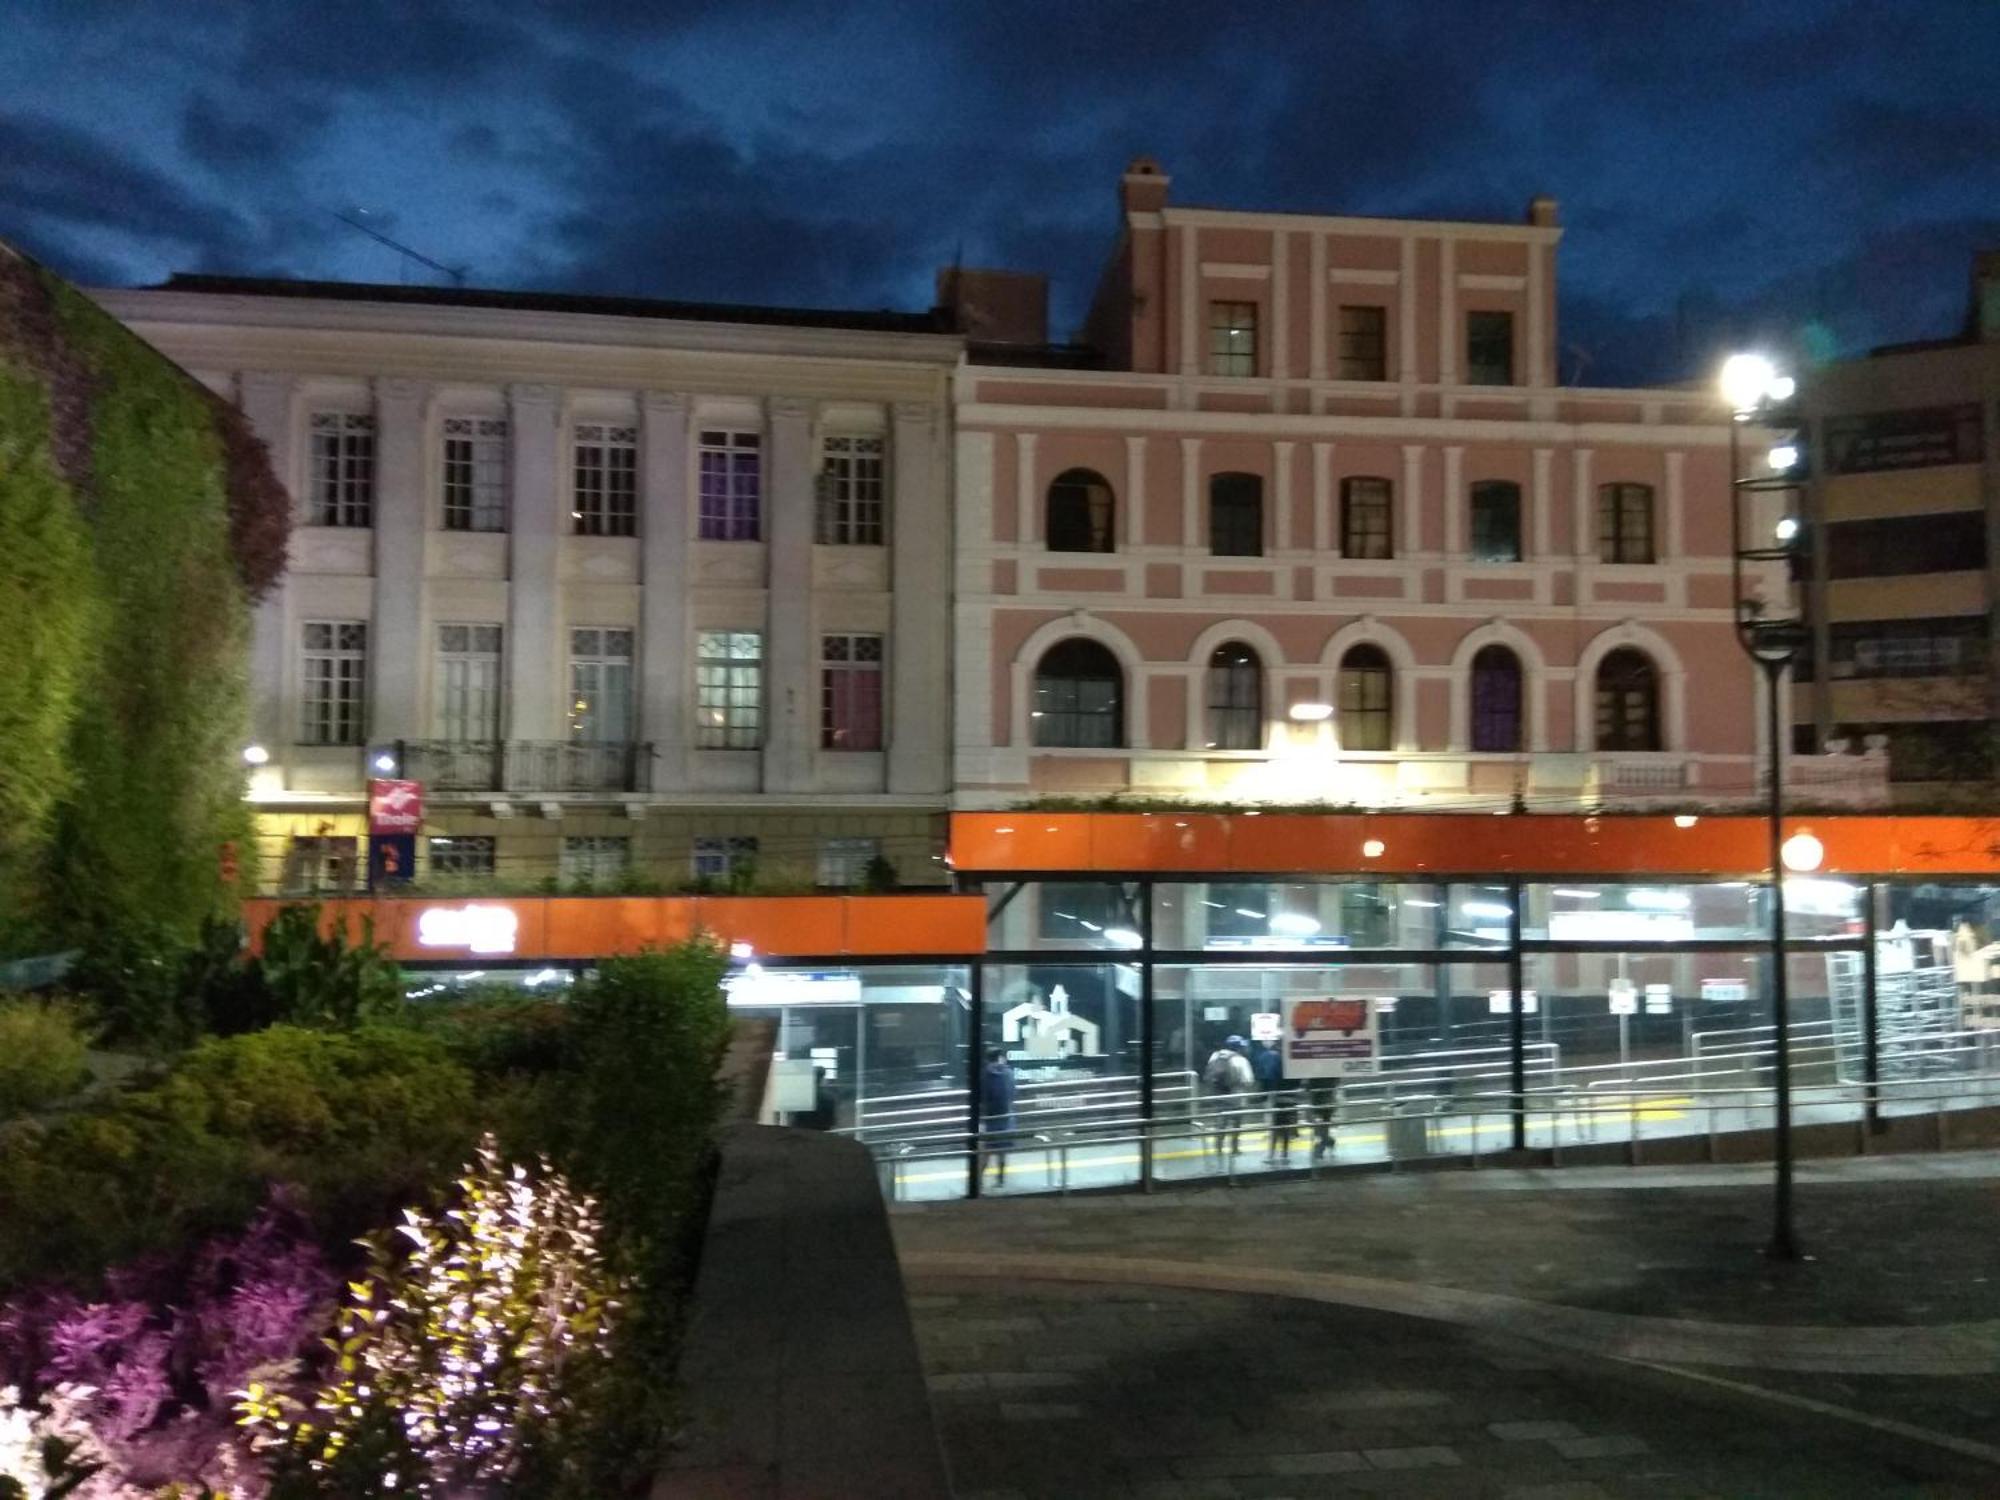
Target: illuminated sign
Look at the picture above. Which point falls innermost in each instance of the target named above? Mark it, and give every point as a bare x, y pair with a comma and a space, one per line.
1266, 1026
1659, 999
395, 806
1500, 1002
758, 986
477, 929
1725, 990
1624, 998
1327, 1038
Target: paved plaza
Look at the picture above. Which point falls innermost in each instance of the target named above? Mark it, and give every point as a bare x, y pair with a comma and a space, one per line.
1554, 1335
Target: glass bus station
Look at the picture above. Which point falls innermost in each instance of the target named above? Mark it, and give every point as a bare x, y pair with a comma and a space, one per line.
1426, 986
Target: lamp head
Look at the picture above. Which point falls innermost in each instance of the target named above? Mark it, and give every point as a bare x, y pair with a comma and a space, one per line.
1747, 381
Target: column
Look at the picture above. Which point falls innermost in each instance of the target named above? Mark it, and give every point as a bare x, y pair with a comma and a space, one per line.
267, 402
1281, 493
1447, 313
920, 563
1543, 499
1132, 509
1456, 502
397, 647
665, 715
1191, 537
1411, 542
1027, 527
791, 678
1194, 330
1281, 308
535, 652
1676, 538
1580, 538
1316, 305
1323, 524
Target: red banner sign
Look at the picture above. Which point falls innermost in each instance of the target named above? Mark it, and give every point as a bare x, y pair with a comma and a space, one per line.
395, 806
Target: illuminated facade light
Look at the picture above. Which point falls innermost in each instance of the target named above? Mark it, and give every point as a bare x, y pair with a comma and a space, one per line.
1311, 713
255, 755
1372, 849
1802, 853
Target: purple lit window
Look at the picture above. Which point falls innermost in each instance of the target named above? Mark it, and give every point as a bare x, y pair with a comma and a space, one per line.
732, 487
1496, 700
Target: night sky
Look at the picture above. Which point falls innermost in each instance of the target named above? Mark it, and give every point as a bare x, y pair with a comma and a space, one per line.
1818, 174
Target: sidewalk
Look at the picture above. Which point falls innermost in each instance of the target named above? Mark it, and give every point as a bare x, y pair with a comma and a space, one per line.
1547, 1303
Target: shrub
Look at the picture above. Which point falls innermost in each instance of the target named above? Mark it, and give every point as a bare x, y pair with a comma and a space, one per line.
361, 1121
312, 979
42, 1054
496, 1029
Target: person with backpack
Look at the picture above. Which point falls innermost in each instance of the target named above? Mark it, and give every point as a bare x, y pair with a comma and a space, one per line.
1229, 1081
996, 1112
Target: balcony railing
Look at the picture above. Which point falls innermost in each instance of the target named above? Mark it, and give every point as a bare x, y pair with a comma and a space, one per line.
528, 765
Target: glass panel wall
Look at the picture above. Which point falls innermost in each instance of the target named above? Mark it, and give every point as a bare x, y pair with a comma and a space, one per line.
1595, 912
1291, 916
1060, 1089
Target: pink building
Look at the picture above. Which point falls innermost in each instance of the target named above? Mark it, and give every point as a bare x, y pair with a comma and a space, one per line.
1311, 519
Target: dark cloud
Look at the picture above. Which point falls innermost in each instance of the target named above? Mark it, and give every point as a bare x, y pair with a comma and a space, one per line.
1792, 166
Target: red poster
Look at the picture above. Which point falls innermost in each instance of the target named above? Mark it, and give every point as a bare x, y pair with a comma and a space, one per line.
395, 806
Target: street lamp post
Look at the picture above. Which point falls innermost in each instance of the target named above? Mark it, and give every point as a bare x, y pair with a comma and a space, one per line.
1772, 640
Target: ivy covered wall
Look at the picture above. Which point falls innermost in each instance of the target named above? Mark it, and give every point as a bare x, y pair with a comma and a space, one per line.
139, 518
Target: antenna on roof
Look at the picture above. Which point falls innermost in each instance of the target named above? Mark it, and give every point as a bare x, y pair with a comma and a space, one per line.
352, 219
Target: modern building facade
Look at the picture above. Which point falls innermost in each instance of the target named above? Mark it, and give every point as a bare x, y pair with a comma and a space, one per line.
638, 590
1904, 496
1309, 518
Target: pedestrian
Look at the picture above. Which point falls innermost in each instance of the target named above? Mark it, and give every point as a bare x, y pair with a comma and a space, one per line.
996, 1112
1229, 1081
824, 1111
1284, 1124
1269, 1066
1324, 1103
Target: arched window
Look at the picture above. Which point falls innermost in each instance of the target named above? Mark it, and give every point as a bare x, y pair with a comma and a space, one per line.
1236, 515
1625, 523
1079, 696
1364, 518
1235, 698
1496, 699
1496, 521
1366, 716
1628, 702
1079, 512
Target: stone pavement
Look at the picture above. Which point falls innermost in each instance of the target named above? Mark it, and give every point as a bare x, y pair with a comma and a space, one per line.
1447, 1334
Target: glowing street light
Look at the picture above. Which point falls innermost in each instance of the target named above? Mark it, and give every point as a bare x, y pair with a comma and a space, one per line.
1748, 381
1311, 713
255, 755
1802, 853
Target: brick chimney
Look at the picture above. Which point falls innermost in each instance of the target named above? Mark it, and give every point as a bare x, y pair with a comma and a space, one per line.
1542, 211
1143, 188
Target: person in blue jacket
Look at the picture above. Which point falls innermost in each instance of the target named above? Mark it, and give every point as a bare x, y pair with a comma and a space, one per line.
996, 1111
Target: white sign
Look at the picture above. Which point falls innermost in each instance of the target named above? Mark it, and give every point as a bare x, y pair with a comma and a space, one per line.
1624, 997
1329, 1037
1500, 1002
477, 929
759, 986
1659, 999
1267, 1026
1725, 990
1215, 1012
1620, 926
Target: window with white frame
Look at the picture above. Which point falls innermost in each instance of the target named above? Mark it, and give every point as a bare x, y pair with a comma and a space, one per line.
333, 682
732, 486
467, 683
475, 473
605, 489
844, 863
342, 488
600, 686
458, 855
729, 690
850, 702
850, 491
1232, 338
596, 858
720, 858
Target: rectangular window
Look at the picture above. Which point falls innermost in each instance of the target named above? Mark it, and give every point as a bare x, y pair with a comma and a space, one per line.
1947, 646
721, 858
343, 470
729, 690
843, 863
1364, 343
600, 686
1364, 518
1236, 515
1489, 348
316, 863
333, 682
1625, 523
850, 678
1232, 338
467, 683
595, 858
732, 487
605, 500
461, 856
850, 492
1903, 439
1897, 546
1496, 521
475, 473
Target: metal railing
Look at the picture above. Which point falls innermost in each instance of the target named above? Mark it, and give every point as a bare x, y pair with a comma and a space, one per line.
528, 765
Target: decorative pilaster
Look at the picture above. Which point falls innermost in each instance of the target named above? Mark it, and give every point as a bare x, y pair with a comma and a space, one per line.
665, 715
535, 654
398, 650
920, 558
791, 677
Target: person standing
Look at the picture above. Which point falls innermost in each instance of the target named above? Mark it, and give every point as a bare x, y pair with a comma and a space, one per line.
996, 1112
1324, 1100
1269, 1068
1229, 1081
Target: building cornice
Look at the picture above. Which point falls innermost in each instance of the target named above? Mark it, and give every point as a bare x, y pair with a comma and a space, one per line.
1425, 229
990, 417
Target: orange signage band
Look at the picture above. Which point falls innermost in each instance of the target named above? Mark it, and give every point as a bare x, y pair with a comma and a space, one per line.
1434, 844
573, 928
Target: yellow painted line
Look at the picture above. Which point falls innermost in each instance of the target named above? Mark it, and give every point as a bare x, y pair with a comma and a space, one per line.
1080, 1163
